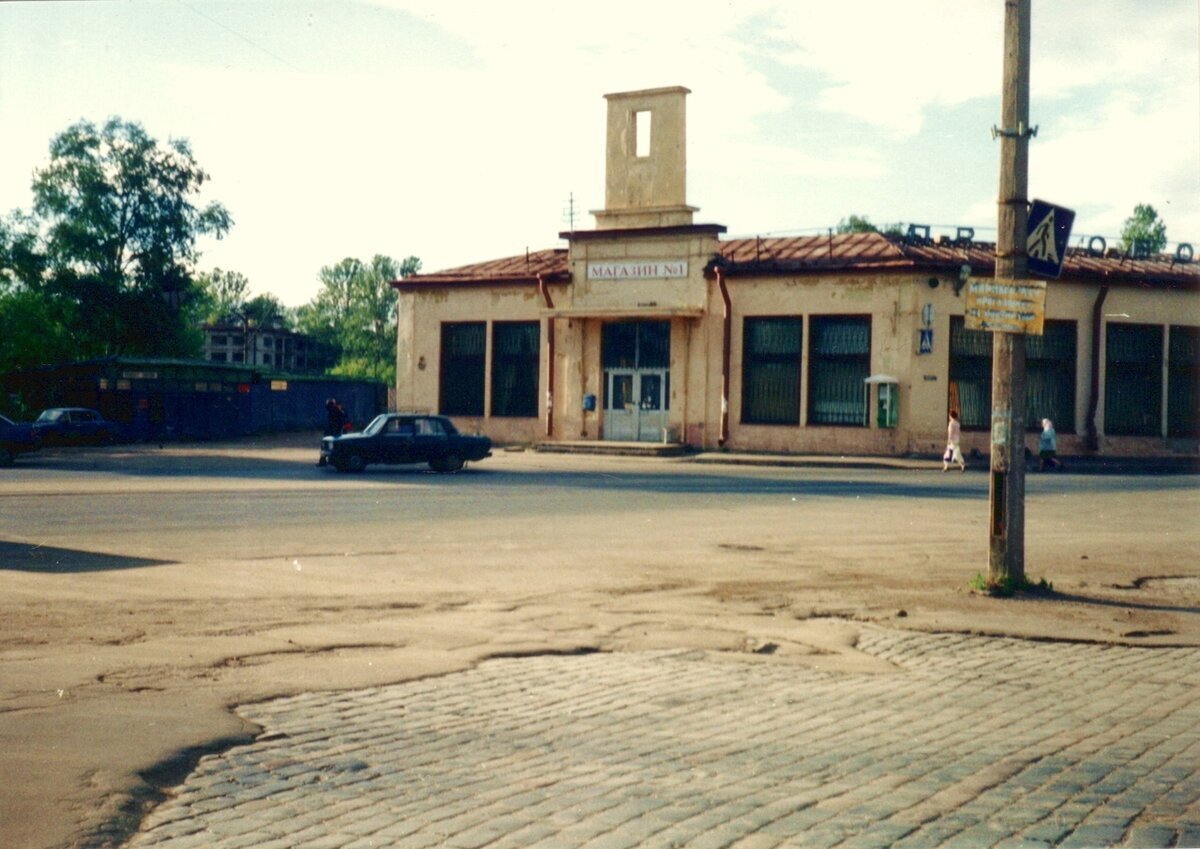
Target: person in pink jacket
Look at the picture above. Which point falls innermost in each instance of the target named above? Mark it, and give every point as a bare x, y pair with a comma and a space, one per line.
953, 452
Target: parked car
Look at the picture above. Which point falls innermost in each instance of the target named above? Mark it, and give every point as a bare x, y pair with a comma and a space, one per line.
75, 426
405, 438
16, 439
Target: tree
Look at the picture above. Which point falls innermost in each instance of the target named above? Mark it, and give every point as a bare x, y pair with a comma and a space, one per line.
120, 230
856, 224
265, 311
1144, 233
223, 293
355, 314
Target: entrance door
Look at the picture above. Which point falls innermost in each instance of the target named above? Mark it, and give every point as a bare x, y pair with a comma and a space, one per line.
636, 404
636, 356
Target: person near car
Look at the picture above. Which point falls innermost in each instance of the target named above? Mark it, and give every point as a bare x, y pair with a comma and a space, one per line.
335, 417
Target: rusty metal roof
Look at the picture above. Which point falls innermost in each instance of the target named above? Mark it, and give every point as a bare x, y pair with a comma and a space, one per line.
841, 254
551, 264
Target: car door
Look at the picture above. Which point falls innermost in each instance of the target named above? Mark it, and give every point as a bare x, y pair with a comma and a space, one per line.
83, 426
397, 441
429, 440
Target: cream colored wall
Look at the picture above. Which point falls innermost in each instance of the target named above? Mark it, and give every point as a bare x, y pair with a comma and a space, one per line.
894, 306
1122, 305
418, 360
894, 302
689, 292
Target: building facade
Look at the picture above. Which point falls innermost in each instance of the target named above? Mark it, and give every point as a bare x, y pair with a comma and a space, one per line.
652, 327
242, 343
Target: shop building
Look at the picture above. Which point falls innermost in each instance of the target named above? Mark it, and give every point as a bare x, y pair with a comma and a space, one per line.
653, 327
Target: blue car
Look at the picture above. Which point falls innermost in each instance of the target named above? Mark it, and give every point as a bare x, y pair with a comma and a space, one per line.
16, 439
75, 426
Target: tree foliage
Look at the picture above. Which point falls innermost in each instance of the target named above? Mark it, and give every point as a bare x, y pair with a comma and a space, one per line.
1144, 233
106, 257
856, 224
355, 314
222, 294
266, 311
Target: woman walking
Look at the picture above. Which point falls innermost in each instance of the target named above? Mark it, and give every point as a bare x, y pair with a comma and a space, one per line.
1048, 447
953, 453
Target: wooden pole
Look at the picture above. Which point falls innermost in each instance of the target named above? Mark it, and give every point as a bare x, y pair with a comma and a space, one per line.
1007, 489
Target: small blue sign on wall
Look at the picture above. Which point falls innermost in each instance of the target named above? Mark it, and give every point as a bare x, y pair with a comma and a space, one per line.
1049, 230
926, 345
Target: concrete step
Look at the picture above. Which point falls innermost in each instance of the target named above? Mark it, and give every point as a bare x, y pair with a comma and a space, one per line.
614, 448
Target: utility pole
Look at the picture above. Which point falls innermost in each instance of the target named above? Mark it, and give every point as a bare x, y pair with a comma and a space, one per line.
1007, 489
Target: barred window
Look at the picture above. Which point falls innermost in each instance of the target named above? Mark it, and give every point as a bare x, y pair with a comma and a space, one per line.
462, 368
1133, 380
970, 374
771, 370
839, 360
515, 358
1050, 376
1183, 381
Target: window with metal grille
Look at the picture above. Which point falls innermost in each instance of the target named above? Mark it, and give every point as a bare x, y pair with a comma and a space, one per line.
970, 375
462, 368
1183, 381
515, 358
1050, 376
771, 370
1133, 380
839, 360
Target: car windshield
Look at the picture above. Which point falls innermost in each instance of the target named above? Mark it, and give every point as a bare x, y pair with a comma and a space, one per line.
50, 416
376, 425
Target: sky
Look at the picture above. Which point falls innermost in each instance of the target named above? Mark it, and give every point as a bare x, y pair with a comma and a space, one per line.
459, 132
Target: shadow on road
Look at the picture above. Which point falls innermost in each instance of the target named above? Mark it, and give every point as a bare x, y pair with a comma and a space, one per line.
23, 557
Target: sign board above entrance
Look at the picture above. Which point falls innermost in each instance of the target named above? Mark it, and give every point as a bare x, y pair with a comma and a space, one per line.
637, 269
1006, 306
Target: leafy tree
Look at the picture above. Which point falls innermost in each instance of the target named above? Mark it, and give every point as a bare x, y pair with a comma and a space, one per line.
120, 230
355, 314
1144, 233
856, 224
223, 293
265, 311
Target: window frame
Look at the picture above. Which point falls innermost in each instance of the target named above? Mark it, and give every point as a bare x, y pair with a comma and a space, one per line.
524, 367
1137, 377
753, 360
817, 361
459, 370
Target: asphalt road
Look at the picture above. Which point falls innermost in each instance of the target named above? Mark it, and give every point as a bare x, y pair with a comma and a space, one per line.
144, 504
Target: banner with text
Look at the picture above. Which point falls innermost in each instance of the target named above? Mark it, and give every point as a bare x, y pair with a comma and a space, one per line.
1006, 306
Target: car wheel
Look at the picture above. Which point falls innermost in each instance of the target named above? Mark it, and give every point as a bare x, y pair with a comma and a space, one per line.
449, 463
6, 457
355, 463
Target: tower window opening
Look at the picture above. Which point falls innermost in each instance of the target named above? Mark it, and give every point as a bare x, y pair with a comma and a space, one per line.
641, 131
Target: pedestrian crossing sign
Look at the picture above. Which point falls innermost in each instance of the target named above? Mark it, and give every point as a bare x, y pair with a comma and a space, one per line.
1049, 230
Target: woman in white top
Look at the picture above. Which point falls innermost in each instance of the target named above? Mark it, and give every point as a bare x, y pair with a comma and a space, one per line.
953, 451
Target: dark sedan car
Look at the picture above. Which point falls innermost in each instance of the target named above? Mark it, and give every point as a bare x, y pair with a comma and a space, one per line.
16, 439
405, 438
75, 426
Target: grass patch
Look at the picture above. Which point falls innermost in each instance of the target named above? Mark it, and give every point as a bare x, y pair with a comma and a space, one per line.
1008, 586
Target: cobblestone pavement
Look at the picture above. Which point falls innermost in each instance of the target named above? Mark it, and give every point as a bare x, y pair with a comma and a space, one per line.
966, 742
